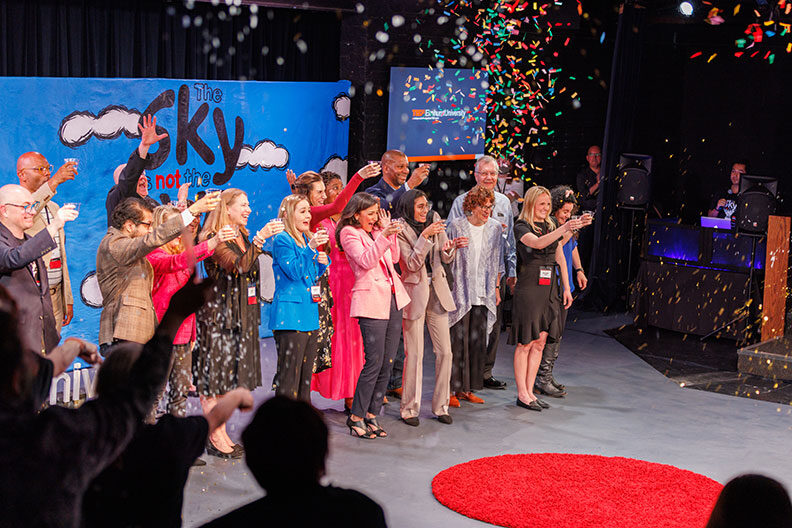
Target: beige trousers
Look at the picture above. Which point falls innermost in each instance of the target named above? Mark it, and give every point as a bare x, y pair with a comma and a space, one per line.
436, 319
56, 294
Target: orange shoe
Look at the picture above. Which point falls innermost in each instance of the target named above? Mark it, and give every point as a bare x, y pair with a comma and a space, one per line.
454, 402
385, 400
469, 396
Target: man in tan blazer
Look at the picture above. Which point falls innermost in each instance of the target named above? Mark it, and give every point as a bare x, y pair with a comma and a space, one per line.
33, 171
124, 273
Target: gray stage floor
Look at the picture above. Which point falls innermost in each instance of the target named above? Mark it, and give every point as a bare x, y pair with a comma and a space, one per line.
617, 406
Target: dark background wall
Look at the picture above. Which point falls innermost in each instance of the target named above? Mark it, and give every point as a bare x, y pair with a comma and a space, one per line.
736, 106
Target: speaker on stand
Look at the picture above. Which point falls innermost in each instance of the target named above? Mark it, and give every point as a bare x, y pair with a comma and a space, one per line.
633, 190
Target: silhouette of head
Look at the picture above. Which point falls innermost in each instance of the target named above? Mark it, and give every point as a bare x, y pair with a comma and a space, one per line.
286, 445
752, 501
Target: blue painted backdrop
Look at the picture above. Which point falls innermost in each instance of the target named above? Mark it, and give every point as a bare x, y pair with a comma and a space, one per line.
221, 134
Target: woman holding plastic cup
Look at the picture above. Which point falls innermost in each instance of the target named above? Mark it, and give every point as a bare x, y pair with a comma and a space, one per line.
228, 342
297, 263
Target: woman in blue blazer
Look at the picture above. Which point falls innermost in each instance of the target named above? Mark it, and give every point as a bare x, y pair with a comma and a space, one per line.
297, 263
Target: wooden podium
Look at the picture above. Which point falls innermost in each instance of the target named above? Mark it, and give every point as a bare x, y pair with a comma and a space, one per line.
775, 280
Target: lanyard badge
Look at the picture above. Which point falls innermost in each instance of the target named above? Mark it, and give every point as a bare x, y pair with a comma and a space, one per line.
316, 293
545, 275
251, 294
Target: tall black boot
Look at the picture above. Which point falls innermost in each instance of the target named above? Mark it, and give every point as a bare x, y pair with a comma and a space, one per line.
544, 377
555, 348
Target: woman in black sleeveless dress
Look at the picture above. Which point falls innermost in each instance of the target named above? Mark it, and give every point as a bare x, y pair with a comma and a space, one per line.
538, 296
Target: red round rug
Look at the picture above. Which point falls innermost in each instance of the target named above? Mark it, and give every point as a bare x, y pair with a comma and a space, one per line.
552, 490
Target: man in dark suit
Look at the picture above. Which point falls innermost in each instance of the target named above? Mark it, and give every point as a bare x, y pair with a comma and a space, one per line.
22, 270
394, 181
130, 177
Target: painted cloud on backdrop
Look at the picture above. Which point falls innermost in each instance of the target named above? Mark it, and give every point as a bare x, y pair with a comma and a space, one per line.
265, 155
341, 106
80, 126
336, 164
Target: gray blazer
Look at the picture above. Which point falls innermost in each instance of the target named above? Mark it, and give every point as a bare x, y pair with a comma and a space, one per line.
36, 318
490, 264
413, 249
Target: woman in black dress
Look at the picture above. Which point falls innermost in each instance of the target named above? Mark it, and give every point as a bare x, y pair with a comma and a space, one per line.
538, 297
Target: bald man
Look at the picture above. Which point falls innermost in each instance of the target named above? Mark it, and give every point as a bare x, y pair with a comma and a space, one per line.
394, 182
130, 178
33, 171
22, 270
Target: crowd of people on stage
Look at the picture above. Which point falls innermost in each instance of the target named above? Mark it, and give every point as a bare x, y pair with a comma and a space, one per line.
358, 276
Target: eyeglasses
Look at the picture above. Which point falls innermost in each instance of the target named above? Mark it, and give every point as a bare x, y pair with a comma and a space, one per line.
487, 207
46, 169
595, 155
487, 173
27, 208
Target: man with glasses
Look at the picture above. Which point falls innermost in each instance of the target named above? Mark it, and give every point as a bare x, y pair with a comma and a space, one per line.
724, 205
588, 179
125, 275
33, 171
22, 269
130, 178
486, 172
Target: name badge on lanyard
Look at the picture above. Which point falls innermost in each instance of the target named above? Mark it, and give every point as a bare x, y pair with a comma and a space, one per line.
545, 275
55, 263
251, 294
316, 293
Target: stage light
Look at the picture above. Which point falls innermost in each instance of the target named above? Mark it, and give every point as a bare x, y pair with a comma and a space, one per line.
686, 8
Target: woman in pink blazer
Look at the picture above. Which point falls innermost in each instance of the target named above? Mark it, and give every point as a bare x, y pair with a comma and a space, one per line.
368, 238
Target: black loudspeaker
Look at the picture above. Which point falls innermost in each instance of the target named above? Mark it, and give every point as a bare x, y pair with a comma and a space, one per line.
755, 203
634, 179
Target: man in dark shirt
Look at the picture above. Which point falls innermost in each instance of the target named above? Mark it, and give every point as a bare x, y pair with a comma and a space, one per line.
588, 179
289, 467
394, 181
285, 449
145, 485
49, 458
724, 205
130, 178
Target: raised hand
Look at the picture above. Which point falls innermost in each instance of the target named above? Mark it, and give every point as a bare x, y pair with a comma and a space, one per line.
66, 172
384, 218
291, 177
67, 213
205, 204
321, 258
393, 228
319, 238
461, 242
448, 246
148, 131
370, 170
181, 196
418, 176
226, 234
273, 227
434, 229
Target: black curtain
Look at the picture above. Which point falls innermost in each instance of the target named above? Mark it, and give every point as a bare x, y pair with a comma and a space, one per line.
613, 255
146, 38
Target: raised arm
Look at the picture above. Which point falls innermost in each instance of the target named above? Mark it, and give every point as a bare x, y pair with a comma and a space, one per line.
413, 256
14, 258
163, 262
126, 250
320, 212
364, 256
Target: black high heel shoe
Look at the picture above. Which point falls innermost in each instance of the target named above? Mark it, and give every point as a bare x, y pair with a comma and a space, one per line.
359, 424
375, 427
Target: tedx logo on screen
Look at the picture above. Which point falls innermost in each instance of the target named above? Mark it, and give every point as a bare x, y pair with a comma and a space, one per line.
430, 115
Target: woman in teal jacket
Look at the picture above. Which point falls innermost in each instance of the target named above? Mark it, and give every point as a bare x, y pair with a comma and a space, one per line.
297, 263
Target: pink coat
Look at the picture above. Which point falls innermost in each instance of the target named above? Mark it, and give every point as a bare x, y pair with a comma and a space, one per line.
171, 272
371, 292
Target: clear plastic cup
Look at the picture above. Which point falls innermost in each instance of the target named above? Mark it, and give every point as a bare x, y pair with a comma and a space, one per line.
75, 204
